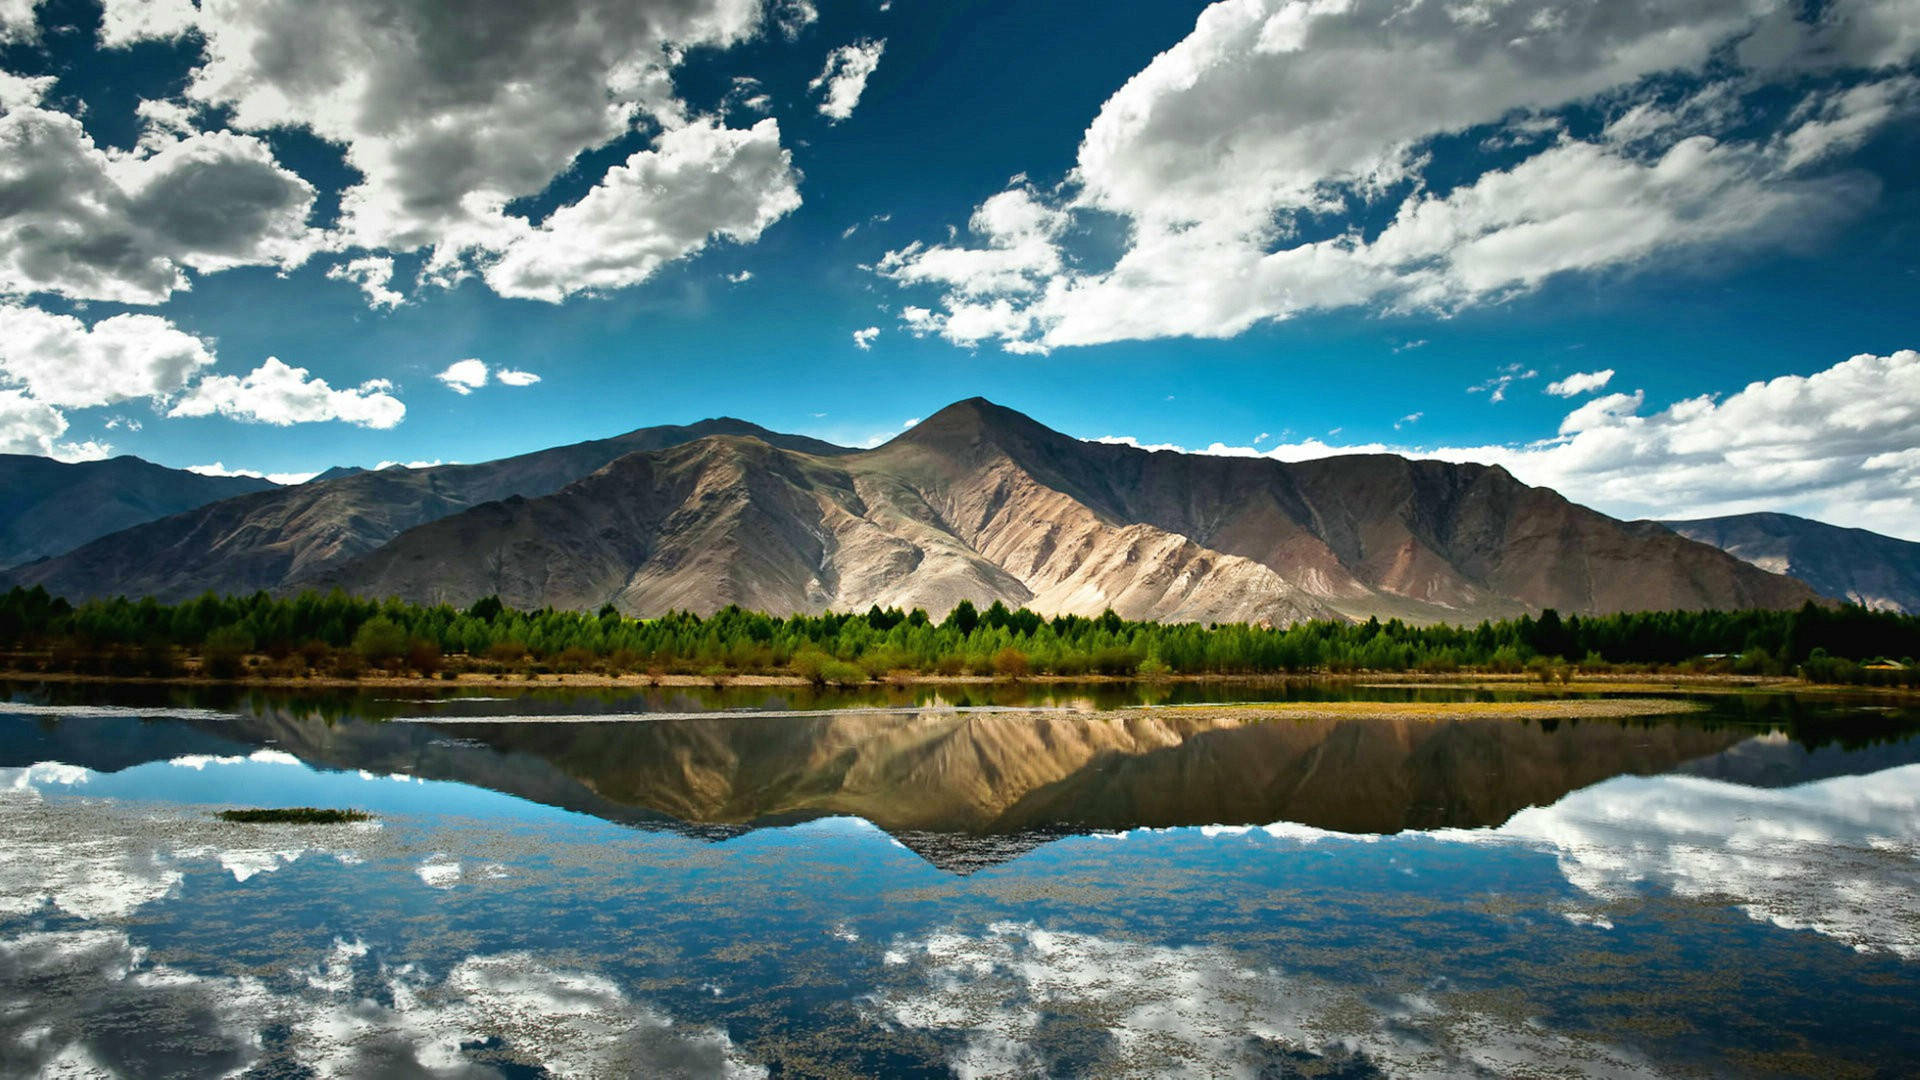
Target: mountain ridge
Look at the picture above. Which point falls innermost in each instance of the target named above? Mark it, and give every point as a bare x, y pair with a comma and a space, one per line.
982, 503
1854, 565
50, 507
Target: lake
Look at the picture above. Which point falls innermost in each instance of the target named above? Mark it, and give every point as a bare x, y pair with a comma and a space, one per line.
935, 881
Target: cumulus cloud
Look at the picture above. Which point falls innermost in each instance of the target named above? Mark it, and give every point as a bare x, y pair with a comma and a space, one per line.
280, 394
699, 181
1837, 445
61, 361
126, 226
863, 339
374, 275
1234, 158
1580, 382
1496, 387
463, 377
18, 21
844, 79
125, 22
451, 113
30, 427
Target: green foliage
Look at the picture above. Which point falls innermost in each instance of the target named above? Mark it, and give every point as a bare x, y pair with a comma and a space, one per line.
339, 634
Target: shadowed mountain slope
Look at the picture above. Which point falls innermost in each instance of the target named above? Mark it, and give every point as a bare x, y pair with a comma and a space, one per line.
273, 538
1863, 567
982, 503
48, 507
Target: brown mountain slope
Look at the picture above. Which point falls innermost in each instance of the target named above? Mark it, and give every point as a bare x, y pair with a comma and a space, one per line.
1865, 568
268, 539
48, 507
981, 503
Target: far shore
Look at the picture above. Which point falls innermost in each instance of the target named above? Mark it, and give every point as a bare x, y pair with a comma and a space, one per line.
1624, 683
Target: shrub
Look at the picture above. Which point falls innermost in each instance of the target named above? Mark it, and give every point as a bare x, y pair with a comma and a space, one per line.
380, 642
423, 656
223, 654
1010, 663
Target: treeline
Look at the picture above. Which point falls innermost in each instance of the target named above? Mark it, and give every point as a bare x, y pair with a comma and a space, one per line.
339, 634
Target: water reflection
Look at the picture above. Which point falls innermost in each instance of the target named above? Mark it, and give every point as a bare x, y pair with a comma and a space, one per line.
1379, 898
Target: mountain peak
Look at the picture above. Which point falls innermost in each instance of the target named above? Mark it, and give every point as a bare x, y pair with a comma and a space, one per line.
976, 420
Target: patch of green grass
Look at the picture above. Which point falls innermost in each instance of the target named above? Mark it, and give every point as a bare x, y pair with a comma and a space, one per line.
295, 815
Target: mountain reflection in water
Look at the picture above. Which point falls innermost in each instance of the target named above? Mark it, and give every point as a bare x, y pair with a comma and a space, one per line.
1723, 893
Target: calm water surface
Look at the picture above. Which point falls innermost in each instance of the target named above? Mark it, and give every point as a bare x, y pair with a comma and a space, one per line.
919, 882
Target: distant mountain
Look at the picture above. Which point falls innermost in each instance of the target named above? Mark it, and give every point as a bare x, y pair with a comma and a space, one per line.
979, 502
1863, 567
48, 507
273, 539
337, 472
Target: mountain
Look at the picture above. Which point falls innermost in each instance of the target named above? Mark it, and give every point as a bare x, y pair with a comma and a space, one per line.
272, 539
979, 502
1863, 567
48, 507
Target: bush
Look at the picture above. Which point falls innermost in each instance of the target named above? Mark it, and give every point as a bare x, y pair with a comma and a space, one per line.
380, 642
1010, 663
223, 654
423, 656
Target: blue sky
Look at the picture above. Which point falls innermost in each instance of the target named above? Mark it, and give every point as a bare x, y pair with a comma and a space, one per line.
1265, 227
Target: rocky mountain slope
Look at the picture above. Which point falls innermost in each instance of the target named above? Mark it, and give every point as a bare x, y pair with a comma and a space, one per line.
982, 503
48, 507
272, 538
1863, 567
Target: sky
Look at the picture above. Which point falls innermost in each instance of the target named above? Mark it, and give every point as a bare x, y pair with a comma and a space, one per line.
1662, 255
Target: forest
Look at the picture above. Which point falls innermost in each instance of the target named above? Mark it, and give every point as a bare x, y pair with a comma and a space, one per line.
339, 635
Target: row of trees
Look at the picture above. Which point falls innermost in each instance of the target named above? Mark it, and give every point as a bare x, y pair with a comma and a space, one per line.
1833, 643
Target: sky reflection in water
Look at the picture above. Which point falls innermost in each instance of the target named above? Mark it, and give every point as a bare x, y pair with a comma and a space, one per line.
482, 924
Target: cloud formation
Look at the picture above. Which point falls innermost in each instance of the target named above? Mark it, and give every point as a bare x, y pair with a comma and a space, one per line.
463, 377
844, 79
374, 275
1241, 162
280, 394
61, 361
863, 339
1580, 382
92, 224
451, 112
1837, 445
700, 181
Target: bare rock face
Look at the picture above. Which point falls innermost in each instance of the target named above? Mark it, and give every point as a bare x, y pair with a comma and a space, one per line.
272, 537
1855, 565
982, 503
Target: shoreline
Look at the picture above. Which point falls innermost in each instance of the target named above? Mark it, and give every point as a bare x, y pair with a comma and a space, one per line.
1633, 683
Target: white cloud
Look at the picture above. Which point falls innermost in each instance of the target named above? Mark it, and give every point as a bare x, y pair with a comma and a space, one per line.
464, 376
125, 22
1225, 159
740, 277
28, 426
451, 116
1837, 445
844, 78
1496, 387
20, 91
863, 339
287, 478
1410, 418
61, 361
277, 393
699, 182
1580, 382
18, 21
793, 16
127, 225
374, 275
1817, 857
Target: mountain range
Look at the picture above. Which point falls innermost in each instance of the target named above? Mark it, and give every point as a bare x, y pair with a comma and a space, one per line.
977, 502
48, 507
1855, 565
